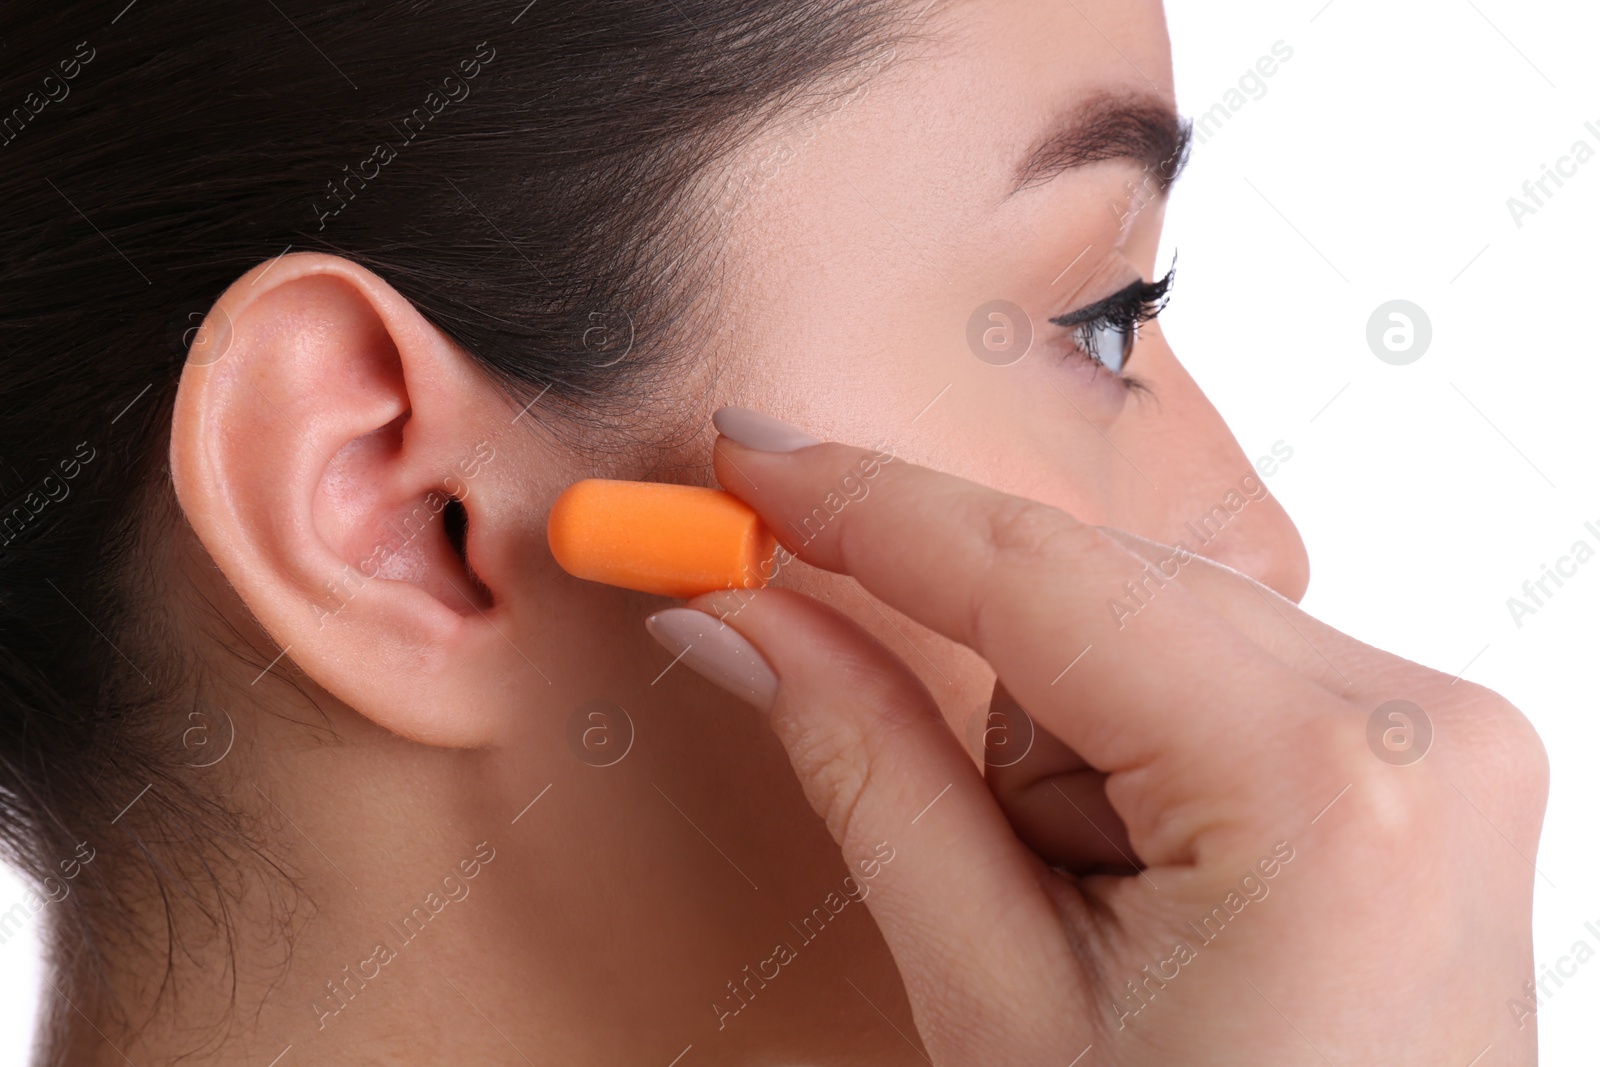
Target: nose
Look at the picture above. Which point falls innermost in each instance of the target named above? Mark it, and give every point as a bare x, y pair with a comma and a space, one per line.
1265, 544
1213, 497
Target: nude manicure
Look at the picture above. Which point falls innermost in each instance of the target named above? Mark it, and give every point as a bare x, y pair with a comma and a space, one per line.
716, 652
760, 432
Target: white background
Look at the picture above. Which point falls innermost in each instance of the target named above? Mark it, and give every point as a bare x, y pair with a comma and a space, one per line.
1385, 151
1377, 167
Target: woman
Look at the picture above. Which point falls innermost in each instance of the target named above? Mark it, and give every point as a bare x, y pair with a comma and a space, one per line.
312, 310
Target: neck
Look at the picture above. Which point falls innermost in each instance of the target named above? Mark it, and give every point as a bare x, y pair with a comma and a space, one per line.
509, 905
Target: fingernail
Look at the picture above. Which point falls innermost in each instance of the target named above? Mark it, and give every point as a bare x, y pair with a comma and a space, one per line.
760, 432
716, 652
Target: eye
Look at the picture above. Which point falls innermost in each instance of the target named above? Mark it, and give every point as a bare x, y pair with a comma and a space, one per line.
1107, 341
1107, 330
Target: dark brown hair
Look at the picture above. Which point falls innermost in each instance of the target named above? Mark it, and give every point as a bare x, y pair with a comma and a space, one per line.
523, 176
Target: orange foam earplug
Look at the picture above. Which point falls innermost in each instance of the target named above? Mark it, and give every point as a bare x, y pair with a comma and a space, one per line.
672, 540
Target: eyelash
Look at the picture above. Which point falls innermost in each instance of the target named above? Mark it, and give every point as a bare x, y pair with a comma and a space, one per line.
1123, 311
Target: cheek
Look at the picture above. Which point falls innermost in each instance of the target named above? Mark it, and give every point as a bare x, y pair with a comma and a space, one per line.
1032, 433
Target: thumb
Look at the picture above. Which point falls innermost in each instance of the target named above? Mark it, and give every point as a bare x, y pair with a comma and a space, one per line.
962, 904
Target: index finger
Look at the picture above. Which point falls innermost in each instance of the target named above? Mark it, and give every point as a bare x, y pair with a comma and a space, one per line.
1027, 586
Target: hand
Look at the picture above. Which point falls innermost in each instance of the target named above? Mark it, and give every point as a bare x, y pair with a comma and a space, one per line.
1202, 860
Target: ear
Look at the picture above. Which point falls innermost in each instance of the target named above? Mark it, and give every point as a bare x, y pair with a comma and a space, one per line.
331, 448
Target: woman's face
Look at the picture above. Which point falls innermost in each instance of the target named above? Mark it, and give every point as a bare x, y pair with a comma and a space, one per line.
871, 237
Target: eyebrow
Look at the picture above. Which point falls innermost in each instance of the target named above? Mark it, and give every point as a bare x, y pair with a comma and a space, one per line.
1145, 130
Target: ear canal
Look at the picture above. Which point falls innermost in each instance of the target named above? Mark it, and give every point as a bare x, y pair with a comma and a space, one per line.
454, 520
455, 526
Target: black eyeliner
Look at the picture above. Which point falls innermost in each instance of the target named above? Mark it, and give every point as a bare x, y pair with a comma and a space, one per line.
1140, 301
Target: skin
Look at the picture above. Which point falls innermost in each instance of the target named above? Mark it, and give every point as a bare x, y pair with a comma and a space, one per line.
416, 715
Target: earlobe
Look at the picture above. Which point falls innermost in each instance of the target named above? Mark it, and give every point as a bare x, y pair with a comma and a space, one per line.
328, 443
